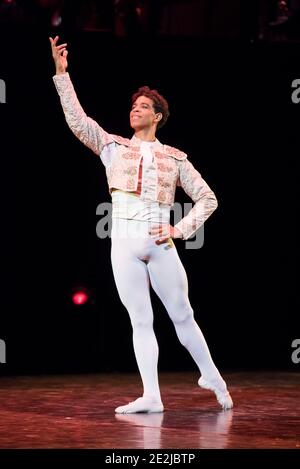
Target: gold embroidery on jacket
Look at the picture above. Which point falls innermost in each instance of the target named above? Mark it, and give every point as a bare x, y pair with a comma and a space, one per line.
131, 155
132, 171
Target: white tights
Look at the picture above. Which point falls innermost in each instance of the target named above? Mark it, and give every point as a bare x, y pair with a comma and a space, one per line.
137, 262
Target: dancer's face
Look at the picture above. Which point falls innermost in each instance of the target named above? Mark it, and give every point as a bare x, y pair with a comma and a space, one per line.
142, 114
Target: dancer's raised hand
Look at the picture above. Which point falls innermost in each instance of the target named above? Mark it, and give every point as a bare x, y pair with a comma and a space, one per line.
59, 54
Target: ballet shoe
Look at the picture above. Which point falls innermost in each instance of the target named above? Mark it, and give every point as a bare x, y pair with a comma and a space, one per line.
142, 404
221, 392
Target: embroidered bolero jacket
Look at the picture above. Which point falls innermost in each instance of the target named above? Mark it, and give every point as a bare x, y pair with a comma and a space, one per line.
122, 157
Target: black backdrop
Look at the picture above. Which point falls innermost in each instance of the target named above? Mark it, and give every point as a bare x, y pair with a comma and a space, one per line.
231, 111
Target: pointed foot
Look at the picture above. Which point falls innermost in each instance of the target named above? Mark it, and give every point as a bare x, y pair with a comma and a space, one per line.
221, 392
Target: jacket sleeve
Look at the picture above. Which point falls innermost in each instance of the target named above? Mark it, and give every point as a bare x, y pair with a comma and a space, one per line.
198, 190
86, 129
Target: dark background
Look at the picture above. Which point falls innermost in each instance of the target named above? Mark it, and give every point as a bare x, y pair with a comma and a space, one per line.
229, 92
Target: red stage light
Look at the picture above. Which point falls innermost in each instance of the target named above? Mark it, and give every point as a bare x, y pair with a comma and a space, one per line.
79, 297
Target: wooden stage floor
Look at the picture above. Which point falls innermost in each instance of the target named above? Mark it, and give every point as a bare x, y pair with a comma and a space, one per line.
77, 411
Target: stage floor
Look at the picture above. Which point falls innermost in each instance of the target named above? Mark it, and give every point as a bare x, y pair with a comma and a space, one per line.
77, 411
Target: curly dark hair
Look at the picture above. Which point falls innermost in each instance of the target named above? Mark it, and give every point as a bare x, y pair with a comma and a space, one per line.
160, 104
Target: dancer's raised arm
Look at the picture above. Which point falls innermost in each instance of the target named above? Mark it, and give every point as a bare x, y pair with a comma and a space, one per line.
86, 129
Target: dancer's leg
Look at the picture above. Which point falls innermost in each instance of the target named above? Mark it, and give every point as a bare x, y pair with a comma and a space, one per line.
132, 281
169, 280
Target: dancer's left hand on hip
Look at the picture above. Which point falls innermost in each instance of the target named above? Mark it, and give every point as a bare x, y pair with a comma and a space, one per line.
164, 232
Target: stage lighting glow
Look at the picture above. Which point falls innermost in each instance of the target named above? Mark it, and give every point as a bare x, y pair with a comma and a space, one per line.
80, 297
